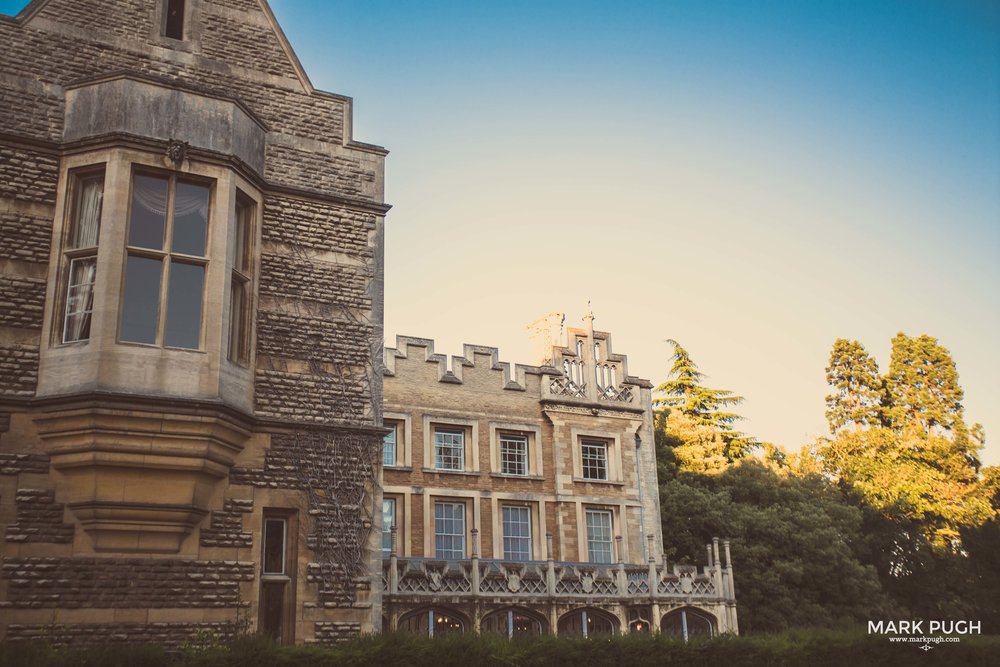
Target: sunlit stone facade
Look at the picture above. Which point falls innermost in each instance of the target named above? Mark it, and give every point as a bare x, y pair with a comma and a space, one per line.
523, 499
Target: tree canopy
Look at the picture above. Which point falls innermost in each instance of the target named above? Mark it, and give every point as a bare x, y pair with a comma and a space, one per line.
684, 393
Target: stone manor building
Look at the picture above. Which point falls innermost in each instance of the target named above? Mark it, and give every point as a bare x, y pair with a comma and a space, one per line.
190, 319
191, 374
524, 500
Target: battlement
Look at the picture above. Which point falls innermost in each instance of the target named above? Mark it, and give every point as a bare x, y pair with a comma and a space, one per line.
587, 357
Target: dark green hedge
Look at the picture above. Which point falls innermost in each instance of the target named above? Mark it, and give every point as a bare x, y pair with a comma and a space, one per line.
815, 649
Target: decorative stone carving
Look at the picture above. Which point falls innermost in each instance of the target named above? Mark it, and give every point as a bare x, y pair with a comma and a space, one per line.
177, 151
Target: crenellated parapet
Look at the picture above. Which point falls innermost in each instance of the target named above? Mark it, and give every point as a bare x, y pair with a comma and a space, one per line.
585, 368
510, 376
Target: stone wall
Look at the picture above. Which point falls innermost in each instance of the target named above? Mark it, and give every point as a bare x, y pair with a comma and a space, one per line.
39, 519
170, 635
123, 583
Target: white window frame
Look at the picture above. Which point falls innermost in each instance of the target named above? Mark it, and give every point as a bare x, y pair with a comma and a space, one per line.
445, 451
594, 451
390, 438
458, 534
284, 547
73, 254
506, 456
431, 423
527, 540
387, 529
597, 547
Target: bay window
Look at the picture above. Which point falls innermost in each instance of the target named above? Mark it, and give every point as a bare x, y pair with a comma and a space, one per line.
239, 283
166, 261
80, 253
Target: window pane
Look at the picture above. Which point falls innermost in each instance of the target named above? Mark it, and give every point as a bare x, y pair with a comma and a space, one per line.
274, 546
595, 459
513, 455
87, 211
449, 450
388, 521
389, 447
79, 299
149, 212
516, 533
449, 530
599, 538
190, 219
238, 343
174, 27
142, 299
241, 235
184, 305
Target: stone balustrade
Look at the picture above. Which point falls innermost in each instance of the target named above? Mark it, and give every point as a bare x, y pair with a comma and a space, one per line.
429, 578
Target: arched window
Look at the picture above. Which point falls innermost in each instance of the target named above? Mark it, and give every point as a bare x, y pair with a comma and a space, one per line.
433, 622
638, 620
513, 622
588, 622
687, 623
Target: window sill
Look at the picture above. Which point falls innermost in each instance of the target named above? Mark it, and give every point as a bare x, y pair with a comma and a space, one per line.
528, 478
275, 577
398, 468
609, 482
440, 471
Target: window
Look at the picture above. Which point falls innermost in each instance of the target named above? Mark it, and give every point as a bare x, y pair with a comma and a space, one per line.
80, 255
516, 532
173, 25
449, 530
449, 449
275, 538
512, 622
388, 521
389, 446
588, 622
433, 622
594, 455
277, 589
165, 266
239, 283
513, 454
600, 543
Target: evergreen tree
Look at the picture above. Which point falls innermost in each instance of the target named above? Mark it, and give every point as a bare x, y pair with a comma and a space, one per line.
859, 392
703, 406
923, 386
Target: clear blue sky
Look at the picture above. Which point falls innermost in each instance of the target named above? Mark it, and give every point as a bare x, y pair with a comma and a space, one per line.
754, 179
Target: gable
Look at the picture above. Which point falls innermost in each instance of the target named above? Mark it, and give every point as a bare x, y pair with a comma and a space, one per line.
235, 35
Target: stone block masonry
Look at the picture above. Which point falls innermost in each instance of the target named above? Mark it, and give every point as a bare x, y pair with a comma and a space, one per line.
28, 176
39, 519
22, 302
18, 370
15, 464
308, 224
169, 635
25, 238
226, 527
123, 583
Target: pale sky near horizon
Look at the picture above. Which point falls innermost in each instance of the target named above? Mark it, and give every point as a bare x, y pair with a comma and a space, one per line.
753, 179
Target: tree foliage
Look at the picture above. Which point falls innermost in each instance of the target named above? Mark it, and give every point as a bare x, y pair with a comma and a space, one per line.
684, 393
795, 544
890, 517
923, 385
858, 390
910, 454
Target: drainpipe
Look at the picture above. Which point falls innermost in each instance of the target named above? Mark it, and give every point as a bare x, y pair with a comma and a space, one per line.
642, 505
